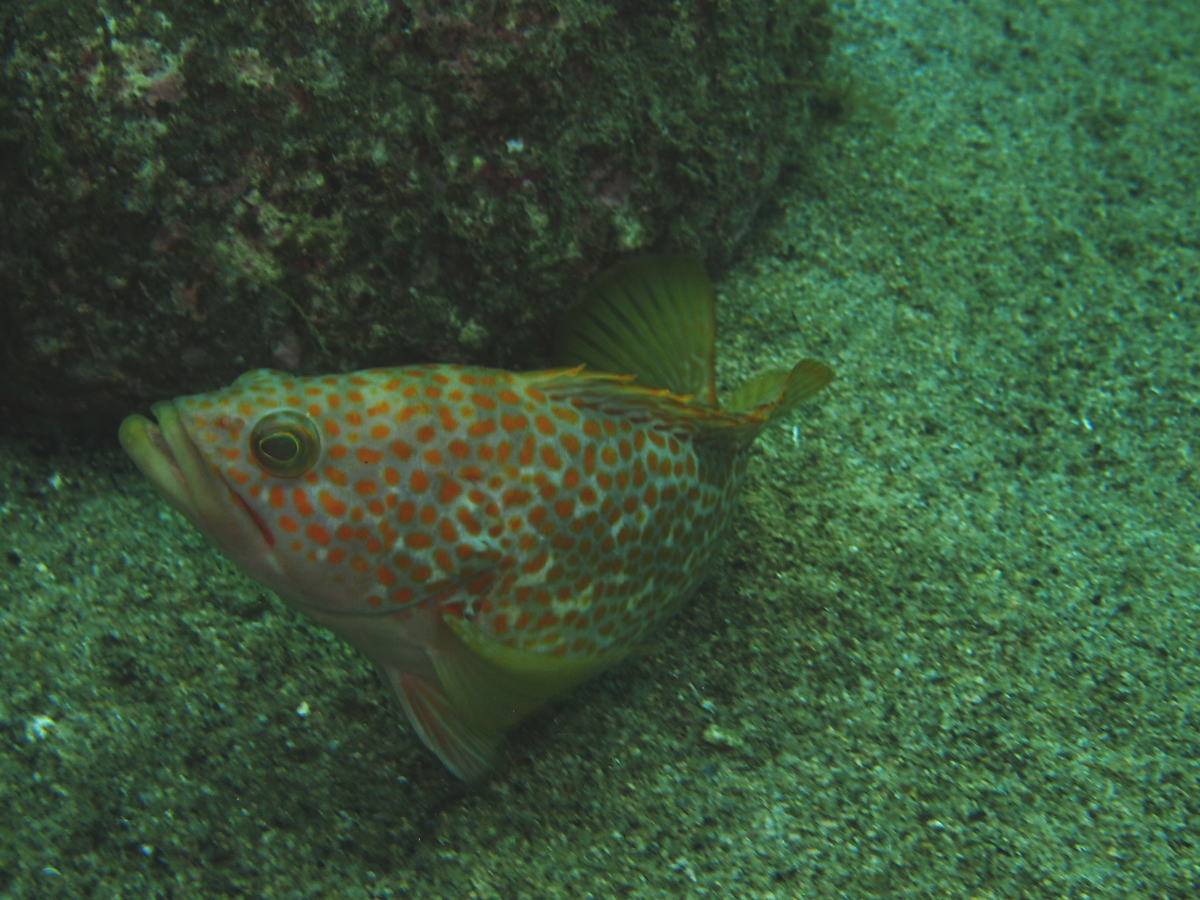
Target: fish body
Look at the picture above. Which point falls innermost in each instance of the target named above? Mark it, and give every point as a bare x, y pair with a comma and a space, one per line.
488, 538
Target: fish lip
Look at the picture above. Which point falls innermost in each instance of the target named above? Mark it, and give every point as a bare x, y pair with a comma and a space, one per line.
171, 460
152, 445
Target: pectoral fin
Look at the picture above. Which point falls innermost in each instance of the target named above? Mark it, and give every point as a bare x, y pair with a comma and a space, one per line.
494, 686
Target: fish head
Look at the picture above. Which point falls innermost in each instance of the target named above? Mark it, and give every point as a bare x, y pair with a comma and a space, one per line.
248, 466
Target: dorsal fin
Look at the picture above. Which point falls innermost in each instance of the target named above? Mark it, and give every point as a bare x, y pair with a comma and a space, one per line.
650, 317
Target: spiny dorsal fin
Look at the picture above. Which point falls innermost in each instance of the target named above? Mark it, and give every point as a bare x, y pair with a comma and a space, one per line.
652, 318
621, 396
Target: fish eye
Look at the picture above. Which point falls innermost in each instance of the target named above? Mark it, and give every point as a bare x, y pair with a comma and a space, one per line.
285, 444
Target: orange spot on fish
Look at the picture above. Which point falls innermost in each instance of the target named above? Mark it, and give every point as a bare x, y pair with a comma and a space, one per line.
479, 584
301, 502
367, 456
525, 454
319, 533
331, 504
516, 497
418, 540
469, 522
536, 564
448, 490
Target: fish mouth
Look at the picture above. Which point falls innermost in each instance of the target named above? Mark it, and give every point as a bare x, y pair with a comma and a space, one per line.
166, 454
170, 459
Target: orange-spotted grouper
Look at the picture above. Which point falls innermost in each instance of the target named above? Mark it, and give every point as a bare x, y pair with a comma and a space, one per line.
488, 538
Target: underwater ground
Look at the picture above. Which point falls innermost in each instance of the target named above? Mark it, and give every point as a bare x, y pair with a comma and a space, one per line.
951, 651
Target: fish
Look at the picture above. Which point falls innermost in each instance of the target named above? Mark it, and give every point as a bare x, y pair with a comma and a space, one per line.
489, 539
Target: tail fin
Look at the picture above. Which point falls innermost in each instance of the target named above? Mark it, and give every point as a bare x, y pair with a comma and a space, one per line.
769, 396
776, 392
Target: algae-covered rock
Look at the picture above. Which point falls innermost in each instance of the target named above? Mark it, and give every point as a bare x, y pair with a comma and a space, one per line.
192, 190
